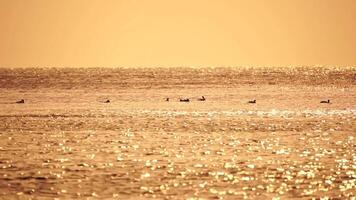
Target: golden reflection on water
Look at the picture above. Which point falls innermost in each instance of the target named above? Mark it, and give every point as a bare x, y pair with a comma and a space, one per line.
139, 146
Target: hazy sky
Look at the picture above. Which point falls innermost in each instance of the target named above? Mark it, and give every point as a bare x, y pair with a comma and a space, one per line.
177, 32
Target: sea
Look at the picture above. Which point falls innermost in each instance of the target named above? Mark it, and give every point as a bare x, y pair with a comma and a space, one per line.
123, 133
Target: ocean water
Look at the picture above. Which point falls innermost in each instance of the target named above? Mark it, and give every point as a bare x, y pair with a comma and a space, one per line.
65, 142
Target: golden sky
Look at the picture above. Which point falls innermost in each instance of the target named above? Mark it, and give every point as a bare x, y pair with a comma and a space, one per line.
137, 33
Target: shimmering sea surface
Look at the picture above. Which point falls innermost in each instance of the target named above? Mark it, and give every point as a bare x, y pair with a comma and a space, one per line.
64, 142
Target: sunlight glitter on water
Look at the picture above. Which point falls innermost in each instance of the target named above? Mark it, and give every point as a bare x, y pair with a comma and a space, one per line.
236, 113
65, 143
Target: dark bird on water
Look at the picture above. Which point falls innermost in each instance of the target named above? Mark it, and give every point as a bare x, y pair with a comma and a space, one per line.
107, 101
21, 101
253, 101
328, 101
184, 100
202, 98
167, 99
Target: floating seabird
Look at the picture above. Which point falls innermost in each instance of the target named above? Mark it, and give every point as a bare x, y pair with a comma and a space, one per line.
184, 100
202, 98
328, 101
252, 101
21, 101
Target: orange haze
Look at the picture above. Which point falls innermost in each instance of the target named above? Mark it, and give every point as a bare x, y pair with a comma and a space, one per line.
87, 33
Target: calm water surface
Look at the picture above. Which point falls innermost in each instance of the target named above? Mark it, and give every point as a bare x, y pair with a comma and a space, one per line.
66, 143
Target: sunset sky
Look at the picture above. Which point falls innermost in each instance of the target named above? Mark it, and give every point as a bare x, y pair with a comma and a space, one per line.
169, 33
